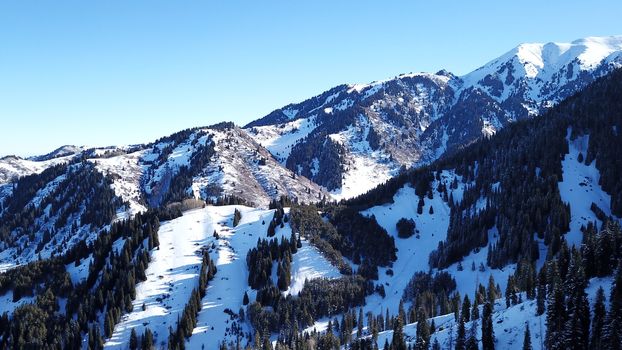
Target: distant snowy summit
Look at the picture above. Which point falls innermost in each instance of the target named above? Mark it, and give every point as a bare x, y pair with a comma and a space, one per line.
353, 137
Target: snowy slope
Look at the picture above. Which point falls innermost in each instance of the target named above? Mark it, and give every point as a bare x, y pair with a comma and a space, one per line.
413, 252
12, 167
279, 139
243, 168
127, 174
580, 188
238, 167
173, 273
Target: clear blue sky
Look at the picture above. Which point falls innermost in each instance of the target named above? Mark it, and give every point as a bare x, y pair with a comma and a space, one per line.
121, 72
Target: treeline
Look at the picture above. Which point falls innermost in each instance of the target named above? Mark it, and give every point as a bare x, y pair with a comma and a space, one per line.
318, 298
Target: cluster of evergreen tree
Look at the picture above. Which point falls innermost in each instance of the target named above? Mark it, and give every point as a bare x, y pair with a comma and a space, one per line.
431, 293
362, 239
318, 298
25, 280
144, 342
279, 219
318, 147
260, 259
405, 228
565, 277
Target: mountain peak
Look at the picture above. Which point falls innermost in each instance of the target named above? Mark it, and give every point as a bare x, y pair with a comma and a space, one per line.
62, 151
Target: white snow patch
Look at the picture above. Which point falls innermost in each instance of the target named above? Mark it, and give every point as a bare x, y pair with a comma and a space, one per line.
580, 188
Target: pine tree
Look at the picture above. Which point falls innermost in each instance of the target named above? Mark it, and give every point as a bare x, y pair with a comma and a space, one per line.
527, 339
492, 291
474, 311
245, 300
488, 336
555, 317
461, 336
147, 343
359, 324
237, 216
466, 308
612, 337
599, 315
541, 299
108, 325
577, 325
133, 340
471, 342
397, 341
423, 331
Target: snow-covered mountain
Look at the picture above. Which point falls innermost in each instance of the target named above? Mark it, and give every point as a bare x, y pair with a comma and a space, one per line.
220, 163
151, 240
353, 137
206, 163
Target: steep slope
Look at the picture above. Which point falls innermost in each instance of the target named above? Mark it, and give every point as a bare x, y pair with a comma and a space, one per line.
413, 119
206, 163
173, 273
13, 167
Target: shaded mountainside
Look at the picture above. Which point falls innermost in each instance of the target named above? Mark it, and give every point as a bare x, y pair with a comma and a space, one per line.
354, 131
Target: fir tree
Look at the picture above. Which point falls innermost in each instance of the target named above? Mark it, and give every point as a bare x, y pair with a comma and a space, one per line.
466, 308
237, 216
612, 337
423, 331
471, 342
598, 320
488, 336
397, 341
527, 339
555, 318
461, 336
133, 340
577, 325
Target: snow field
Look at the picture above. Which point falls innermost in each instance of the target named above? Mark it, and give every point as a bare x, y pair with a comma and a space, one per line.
580, 188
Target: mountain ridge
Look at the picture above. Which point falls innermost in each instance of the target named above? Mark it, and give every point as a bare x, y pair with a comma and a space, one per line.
422, 115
